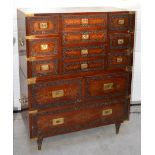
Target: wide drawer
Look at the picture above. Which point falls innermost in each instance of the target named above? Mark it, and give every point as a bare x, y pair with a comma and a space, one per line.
84, 37
83, 66
42, 47
42, 68
83, 22
42, 25
121, 41
85, 51
105, 86
72, 119
121, 21
55, 93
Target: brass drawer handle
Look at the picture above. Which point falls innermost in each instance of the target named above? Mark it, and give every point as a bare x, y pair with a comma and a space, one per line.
44, 67
84, 21
121, 21
57, 121
108, 86
84, 66
107, 112
57, 93
44, 47
85, 36
119, 59
120, 41
44, 25
84, 51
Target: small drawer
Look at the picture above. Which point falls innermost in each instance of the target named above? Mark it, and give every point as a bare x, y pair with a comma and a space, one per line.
121, 21
43, 68
83, 66
42, 47
67, 120
118, 60
55, 93
83, 22
84, 37
42, 25
120, 41
103, 86
86, 51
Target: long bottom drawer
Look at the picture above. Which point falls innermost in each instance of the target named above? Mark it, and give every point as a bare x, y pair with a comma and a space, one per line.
69, 120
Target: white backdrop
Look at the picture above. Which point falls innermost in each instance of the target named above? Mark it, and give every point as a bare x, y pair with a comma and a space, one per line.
129, 4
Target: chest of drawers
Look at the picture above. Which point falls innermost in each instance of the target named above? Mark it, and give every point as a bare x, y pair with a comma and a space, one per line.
75, 68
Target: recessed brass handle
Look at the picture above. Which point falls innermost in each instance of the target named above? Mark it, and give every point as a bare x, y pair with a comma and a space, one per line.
57, 121
108, 86
57, 93
119, 59
84, 51
44, 47
44, 67
44, 25
107, 112
84, 21
121, 21
120, 41
21, 42
84, 66
85, 36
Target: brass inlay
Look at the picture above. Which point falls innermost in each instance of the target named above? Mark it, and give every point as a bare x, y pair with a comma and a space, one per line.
57, 93
33, 112
84, 51
84, 66
44, 67
107, 112
30, 37
31, 81
121, 21
44, 25
44, 47
85, 36
84, 21
31, 59
57, 121
108, 86
119, 59
120, 41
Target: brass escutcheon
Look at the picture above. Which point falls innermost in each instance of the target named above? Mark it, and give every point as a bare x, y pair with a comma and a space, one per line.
120, 41
84, 51
44, 67
119, 59
84, 66
84, 21
85, 36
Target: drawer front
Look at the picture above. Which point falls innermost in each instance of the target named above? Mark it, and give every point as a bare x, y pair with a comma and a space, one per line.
82, 22
120, 41
83, 66
68, 120
43, 47
55, 93
42, 25
119, 60
84, 37
43, 68
103, 86
120, 21
86, 51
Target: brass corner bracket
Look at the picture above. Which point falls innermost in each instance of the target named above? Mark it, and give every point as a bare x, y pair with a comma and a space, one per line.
31, 81
128, 69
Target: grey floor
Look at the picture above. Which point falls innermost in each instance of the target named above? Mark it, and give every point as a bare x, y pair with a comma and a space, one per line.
97, 141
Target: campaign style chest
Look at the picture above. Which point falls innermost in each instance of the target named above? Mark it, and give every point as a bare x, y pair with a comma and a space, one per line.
75, 68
